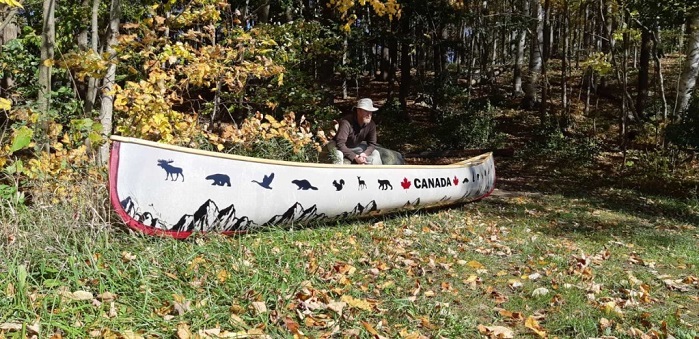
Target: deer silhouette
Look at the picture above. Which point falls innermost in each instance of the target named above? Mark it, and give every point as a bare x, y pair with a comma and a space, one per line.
170, 171
362, 184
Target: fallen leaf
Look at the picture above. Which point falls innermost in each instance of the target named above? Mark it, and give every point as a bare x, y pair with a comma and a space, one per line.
183, 331
369, 328
540, 291
475, 265
81, 295
127, 256
533, 325
337, 306
106, 296
259, 307
497, 332
356, 303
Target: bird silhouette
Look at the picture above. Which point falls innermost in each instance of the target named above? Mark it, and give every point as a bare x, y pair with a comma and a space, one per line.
266, 181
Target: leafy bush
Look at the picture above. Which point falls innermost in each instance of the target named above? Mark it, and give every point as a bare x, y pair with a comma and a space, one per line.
686, 133
552, 143
469, 127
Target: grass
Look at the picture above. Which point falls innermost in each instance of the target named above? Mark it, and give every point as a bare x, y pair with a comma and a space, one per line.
611, 265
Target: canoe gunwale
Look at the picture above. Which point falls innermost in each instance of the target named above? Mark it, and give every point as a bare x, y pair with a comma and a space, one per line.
467, 162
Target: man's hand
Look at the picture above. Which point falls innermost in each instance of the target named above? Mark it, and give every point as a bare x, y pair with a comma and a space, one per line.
361, 159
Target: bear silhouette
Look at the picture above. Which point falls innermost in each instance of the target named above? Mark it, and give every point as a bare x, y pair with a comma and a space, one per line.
303, 184
220, 179
384, 184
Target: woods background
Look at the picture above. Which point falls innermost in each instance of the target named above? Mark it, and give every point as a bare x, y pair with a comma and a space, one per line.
262, 78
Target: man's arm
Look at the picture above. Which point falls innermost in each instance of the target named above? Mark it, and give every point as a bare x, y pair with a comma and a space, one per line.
341, 139
370, 139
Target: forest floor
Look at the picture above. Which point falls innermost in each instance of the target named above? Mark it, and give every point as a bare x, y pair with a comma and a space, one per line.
571, 245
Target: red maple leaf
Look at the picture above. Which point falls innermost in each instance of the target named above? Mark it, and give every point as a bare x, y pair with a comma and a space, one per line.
405, 183
456, 181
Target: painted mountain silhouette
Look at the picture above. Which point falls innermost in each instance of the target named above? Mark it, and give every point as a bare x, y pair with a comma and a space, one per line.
128, 206
208, 218
227, 221
415, 203
359, 210
297, 213
201, 220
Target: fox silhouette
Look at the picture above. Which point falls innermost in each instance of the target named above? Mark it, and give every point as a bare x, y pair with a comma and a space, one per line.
303, 184
384, 184
220, 179
338, 185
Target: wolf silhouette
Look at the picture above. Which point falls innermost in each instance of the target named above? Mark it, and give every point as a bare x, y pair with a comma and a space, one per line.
220, 179
384, 184
303, 184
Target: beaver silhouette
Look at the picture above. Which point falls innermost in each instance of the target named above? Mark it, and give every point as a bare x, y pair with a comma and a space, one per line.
220, 179
304, 185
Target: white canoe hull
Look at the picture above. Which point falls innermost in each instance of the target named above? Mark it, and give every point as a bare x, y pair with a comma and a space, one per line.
169, 190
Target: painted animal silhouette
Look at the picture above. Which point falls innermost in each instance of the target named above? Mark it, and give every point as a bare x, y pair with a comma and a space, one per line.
384, 184
170, 171
362, 184
338, 185
220, 179
303, 184
266, 181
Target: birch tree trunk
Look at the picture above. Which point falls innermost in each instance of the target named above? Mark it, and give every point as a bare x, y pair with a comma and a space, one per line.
107, 107
690, 70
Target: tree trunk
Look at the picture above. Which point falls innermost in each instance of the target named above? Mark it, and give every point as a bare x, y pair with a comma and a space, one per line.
48, 40
107, 107
543, 113
564, 64
92, 83
535, 49
344, 63
519, 56
646, 49
690, 70
8, 31
405, 65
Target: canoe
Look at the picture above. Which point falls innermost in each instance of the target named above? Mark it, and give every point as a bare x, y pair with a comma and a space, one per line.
160, 189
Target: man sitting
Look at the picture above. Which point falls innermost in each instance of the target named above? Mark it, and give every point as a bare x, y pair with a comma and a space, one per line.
356, 137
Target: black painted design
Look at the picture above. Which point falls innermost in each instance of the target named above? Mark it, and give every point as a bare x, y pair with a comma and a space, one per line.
360, 209
385, 184
146, 218
297, 213
415, 203
209, 218
266, 181
362, 184
303, 184
338, 184
170, 171
220, 179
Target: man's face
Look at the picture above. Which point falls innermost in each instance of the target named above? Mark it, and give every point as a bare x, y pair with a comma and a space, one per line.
364, 116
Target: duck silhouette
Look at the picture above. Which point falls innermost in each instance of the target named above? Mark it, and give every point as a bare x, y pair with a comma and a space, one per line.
266, 181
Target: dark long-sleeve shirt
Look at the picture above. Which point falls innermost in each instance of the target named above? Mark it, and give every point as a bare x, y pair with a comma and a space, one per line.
350, 134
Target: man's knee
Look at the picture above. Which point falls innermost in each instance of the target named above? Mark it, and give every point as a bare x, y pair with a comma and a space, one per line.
376, 158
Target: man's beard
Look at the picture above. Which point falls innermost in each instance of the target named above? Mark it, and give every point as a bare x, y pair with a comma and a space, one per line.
366, 120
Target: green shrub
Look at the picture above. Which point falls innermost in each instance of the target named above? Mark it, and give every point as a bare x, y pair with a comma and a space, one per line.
464, 127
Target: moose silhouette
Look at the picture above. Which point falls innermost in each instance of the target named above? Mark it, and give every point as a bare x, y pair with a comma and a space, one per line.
170, 171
